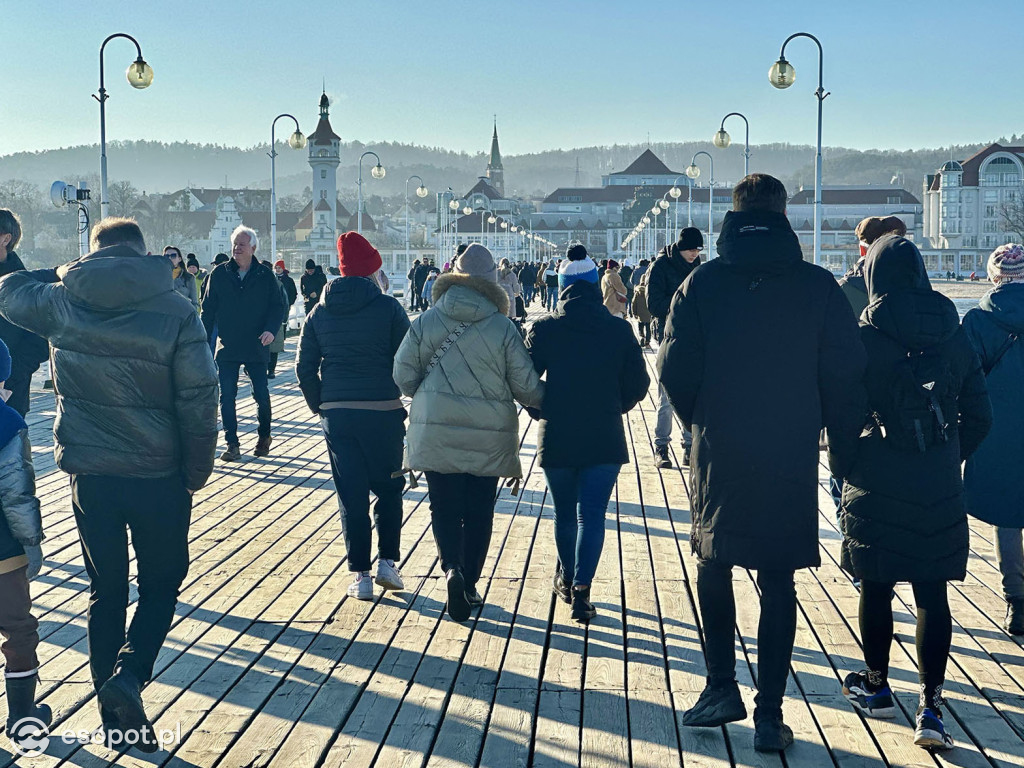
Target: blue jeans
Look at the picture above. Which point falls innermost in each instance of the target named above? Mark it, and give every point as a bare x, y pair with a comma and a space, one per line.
580, 496
527, 293
227, 372
551, 299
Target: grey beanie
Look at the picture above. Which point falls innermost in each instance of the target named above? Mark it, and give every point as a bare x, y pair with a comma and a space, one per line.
476, 261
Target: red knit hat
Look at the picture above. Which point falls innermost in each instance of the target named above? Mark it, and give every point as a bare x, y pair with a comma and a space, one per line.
356, 257
279, 263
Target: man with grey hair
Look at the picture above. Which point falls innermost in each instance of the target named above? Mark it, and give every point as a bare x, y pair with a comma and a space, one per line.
28, 351
243, 302
136, 429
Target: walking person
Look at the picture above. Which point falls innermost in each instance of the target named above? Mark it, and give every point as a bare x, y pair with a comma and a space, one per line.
903, 516
244, 302
410, 286
184, 283
510, 284
991, 491
311, 284
288, 294
464, 364
345, 370
198, 275
759, 344
136, 429
642, 314
551, 286
595, 373
21, 558
27, 350
419, 279
613, 290
672, 266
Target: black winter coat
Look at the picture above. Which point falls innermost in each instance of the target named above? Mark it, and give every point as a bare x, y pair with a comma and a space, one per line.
993, 490
902, 514
668, 272
135, 383
242, 310
419, 278
28, 351
762, 351
312, 286
595, 373
291, 294
348, 344
855, 289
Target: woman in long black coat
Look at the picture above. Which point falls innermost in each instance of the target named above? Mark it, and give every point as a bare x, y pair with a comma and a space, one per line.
903, 515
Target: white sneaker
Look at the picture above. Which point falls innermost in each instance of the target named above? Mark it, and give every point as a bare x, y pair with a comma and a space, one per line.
388, 576
362, 587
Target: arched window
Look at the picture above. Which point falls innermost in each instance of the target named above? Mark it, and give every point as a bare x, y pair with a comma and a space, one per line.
1001, 171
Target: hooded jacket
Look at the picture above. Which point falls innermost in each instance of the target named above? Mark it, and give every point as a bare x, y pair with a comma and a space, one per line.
134, 380
667, 273
28, 351
510, 284
595, 373
902, 513
992, 487
242, 310
312, 286
348, 344
761, 352
855, 289
463, 417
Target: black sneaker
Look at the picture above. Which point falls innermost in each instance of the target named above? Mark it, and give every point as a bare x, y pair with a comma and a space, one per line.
930, 733
582, 609
661, 459
718, 704
562, 588
233, 453
474, 598
121, 695
770, 733
870, 700
458, 605
686, 455
1014, 623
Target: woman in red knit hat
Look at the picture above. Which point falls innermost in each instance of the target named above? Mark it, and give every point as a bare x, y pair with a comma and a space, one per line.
344, 366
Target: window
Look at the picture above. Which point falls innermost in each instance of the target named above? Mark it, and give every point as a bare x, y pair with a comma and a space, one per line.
323, 194
323, 174
990, 226
892, 200
991, 196
990, 211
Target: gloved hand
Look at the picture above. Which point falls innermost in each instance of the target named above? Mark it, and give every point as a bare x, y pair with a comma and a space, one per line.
35, 559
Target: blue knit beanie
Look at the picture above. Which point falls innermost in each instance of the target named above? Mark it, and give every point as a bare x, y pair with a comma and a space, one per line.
576, 267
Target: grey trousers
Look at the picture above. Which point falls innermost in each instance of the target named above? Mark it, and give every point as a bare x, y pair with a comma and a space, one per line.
663, 427
1010, 556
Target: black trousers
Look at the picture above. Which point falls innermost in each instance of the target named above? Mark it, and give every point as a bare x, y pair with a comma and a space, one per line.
644, 330
157, 511
461, 516
365, 447
934, 632
776, 629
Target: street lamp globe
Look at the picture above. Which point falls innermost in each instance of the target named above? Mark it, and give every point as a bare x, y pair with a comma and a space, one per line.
421, 191
139, 74
692, 171
492, 219
676, 192
722, 139
655, 210
453, 205
467, 210
297, 140
782, 74
663, 204
378, 171
504, 225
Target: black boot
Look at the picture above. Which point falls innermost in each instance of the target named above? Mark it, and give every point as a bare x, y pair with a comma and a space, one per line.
582, 609
1014, 623
21, 704
770, 733
458, 604
121, 695
719, 703
561, 586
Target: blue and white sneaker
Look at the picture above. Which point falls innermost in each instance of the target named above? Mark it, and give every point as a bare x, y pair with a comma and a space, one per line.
867, 699
930, 733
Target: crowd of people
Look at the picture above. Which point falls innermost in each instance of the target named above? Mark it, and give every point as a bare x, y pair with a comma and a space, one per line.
759, 353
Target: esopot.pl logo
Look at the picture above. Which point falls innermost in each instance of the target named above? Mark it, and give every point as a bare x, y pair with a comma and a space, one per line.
30, 737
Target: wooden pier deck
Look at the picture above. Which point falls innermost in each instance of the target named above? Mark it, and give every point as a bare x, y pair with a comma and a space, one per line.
268, 663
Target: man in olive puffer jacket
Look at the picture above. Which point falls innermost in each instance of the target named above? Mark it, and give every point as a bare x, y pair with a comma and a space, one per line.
136, 429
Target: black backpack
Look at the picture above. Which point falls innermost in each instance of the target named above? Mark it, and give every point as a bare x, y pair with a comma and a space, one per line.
921, 409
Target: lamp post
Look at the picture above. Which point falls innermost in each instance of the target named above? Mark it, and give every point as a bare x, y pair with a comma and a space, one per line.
782, 75
295, 141
676, 193
693, 172
723, 140
140, 75
378, 173
421, 192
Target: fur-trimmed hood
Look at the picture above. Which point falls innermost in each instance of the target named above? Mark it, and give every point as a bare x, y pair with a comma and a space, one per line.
466, 298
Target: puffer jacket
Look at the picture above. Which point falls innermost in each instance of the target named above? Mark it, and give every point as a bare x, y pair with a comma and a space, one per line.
20, 522
185, 284
640, 309
348, 344
463, 417
613, 292
135, 383
510, 284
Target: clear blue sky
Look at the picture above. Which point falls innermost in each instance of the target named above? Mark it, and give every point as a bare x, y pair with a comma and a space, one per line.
559, 74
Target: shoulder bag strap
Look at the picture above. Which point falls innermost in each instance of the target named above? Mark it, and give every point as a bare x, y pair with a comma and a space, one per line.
447, 344
1010, 341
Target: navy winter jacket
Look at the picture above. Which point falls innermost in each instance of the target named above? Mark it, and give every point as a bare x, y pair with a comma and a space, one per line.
348, 344
242, 310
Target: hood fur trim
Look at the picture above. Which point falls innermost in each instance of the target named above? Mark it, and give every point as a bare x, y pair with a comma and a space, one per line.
493, 292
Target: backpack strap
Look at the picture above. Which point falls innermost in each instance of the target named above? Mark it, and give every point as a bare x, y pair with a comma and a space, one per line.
1010, 341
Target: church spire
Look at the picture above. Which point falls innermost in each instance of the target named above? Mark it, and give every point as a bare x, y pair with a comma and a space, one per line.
495, 172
